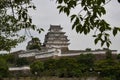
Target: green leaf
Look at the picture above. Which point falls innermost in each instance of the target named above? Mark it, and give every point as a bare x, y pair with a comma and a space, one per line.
19, 17
78, 27
119, 1
102, 43
67, 11
85, 8
33, 27
94, 36
59, 1
65, 1
83, 3
96, 40
59, 6
34, 7
99, 2
85, 30
108, 44
72, 4
30, 20
115, 31
42, 29
99, 13
103, 10
103, 1
73, 17
75, 23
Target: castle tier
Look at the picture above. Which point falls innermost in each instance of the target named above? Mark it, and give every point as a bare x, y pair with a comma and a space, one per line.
56, 38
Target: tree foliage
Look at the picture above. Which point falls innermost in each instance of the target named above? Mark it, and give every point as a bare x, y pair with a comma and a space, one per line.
68, 67
34, 44
9, 58
86, 59
14, 17
37, 68
89, 18
64, 67
3, 68
83, 65
22, 62
106, 68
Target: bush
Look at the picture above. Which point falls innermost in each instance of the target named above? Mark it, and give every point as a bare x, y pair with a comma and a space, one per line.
108, 68
22, 62
64, 67
50, 67
3, 68
37, 68
10, 59
86, 60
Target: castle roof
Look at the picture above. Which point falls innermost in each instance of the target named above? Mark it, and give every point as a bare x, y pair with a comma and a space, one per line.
55, 27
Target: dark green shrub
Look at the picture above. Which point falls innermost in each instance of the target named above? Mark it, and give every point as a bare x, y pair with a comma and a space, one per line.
37, 68
22, 62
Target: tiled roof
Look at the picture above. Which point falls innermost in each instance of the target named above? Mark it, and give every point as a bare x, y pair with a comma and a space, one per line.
55, 26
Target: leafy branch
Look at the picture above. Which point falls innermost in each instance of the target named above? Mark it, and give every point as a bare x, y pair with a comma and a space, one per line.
89, 18
11, 24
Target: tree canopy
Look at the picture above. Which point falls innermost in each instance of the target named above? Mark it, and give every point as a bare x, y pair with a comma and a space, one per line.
34, 44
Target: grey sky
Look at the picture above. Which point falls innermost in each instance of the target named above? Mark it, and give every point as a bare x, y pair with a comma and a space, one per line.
46, 14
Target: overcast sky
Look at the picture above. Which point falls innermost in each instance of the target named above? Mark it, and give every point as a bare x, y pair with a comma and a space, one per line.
46, 14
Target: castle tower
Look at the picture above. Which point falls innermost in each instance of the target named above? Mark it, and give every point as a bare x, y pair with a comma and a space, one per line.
56, 38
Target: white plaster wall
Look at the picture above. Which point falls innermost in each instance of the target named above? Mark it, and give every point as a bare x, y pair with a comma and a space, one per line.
19, 68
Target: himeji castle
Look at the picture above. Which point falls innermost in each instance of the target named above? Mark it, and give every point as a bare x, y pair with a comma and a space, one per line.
56, 44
